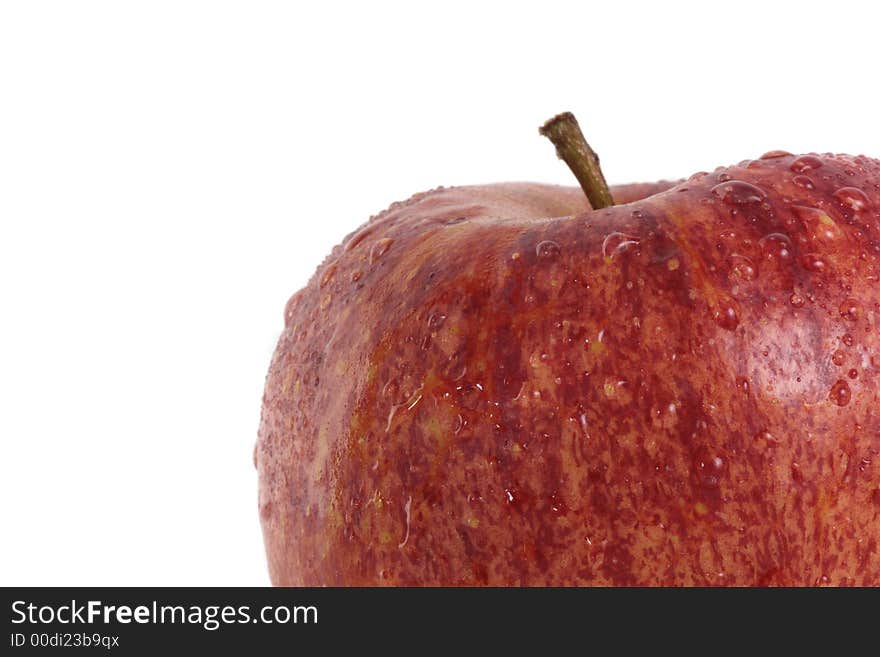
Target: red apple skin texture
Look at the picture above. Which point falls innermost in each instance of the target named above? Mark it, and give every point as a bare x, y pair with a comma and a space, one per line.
678, 390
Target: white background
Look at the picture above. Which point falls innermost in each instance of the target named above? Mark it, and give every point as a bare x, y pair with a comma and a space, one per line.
170, 172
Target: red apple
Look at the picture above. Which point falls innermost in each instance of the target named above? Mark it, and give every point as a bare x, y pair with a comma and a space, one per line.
497, 385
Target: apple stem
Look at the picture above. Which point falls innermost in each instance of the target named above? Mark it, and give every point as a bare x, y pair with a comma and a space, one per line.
571, 147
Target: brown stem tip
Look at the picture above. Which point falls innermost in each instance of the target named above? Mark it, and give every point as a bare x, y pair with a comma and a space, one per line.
571, 147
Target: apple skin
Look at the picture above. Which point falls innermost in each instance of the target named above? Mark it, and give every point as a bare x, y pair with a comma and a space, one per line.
678, 390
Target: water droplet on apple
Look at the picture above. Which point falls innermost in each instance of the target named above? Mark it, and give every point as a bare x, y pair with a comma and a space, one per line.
772, 155
777, 246
435, 321
547, 250
328, 273
806, 163
803, 181
709, 468
742, 267
469, 396
838, 357
392, 391
853, 198
819, 225
356, 275
380, 248
853, 373
725, 315
796, 300
291, 307
813, 262
850, 310
840, 393
737, 192
455, 368
848, 340
615, 243
584, 425
765, 437
359, 236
